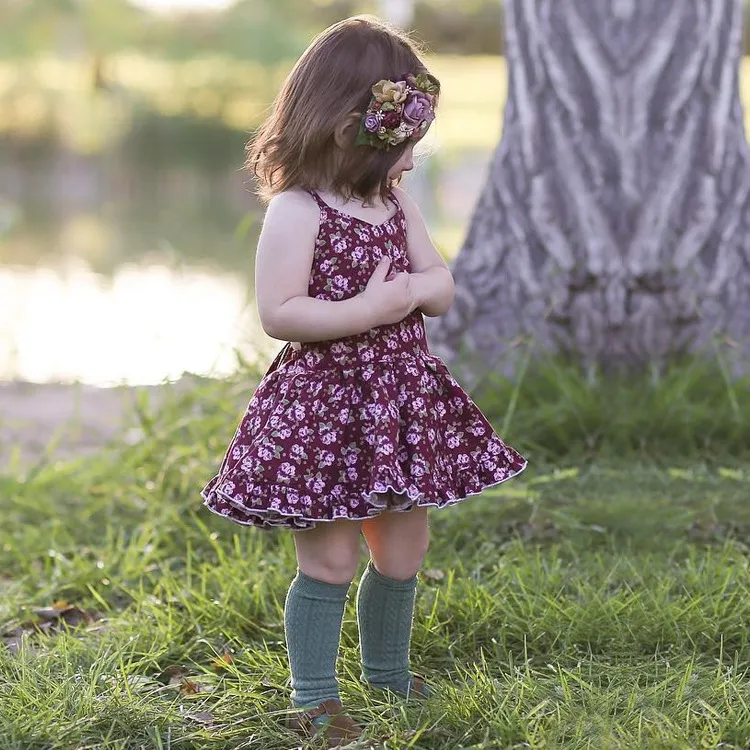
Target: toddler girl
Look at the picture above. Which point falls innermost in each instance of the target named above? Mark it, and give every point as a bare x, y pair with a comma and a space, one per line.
356, 429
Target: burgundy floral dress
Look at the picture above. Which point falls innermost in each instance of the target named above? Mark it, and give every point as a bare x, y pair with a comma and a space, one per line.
350, 427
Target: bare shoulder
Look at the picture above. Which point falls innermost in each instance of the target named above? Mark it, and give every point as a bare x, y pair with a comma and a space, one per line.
286, 248
293, 208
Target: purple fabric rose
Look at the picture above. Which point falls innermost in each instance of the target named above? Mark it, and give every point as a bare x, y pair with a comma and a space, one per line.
417, 109
372, 123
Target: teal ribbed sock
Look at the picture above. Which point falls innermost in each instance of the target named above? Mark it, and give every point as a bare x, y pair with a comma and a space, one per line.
312, 622
385, 608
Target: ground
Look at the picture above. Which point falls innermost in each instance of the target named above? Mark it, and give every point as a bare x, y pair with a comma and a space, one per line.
590, 603
68, 420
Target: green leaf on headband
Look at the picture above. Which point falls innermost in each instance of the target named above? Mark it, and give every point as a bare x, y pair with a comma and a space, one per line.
366, 138
362, 137
425, 83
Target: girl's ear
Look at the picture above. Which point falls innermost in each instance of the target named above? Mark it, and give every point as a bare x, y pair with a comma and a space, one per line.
346, 131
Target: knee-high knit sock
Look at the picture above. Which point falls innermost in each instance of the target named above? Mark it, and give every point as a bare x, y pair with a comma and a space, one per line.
312, 622
385, 608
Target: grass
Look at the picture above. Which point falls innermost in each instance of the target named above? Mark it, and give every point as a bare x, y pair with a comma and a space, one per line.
693, 411
599, 601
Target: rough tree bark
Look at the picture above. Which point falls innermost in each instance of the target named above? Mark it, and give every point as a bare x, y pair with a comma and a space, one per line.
614, 224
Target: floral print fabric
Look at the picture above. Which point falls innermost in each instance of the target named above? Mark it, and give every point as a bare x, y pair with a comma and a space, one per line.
348, 428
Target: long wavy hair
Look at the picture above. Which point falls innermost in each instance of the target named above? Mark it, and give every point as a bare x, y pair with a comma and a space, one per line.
332, 81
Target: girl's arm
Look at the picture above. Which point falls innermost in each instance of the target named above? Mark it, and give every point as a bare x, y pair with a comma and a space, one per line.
282, 275
431, 279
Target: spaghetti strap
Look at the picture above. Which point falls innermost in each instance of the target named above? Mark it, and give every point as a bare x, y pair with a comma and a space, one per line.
321, 203
397, 202
392, 196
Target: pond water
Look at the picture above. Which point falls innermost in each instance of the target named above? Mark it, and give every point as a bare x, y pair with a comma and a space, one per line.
125, 279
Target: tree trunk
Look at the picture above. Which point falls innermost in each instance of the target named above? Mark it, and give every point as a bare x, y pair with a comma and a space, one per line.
614, 223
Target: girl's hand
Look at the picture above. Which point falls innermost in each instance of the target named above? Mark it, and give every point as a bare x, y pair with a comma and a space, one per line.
390, 296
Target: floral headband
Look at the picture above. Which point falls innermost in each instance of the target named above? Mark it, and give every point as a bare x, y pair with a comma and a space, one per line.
398, 110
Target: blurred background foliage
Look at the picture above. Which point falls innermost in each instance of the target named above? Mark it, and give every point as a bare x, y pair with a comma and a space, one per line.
125, 216
191, 85
188, 87
263, 30
122, 134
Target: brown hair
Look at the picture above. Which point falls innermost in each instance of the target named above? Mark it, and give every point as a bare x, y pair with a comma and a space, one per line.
331, 81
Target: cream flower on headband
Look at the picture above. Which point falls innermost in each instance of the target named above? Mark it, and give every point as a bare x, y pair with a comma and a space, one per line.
390, 91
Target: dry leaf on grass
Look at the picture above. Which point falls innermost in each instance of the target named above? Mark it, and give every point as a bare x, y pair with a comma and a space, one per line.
49, 620
187, 687
223, 661
62, 612
202, 717
176, 676
172, 672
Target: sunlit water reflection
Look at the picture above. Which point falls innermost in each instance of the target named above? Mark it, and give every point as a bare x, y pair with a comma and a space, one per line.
119, 293
141, 326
